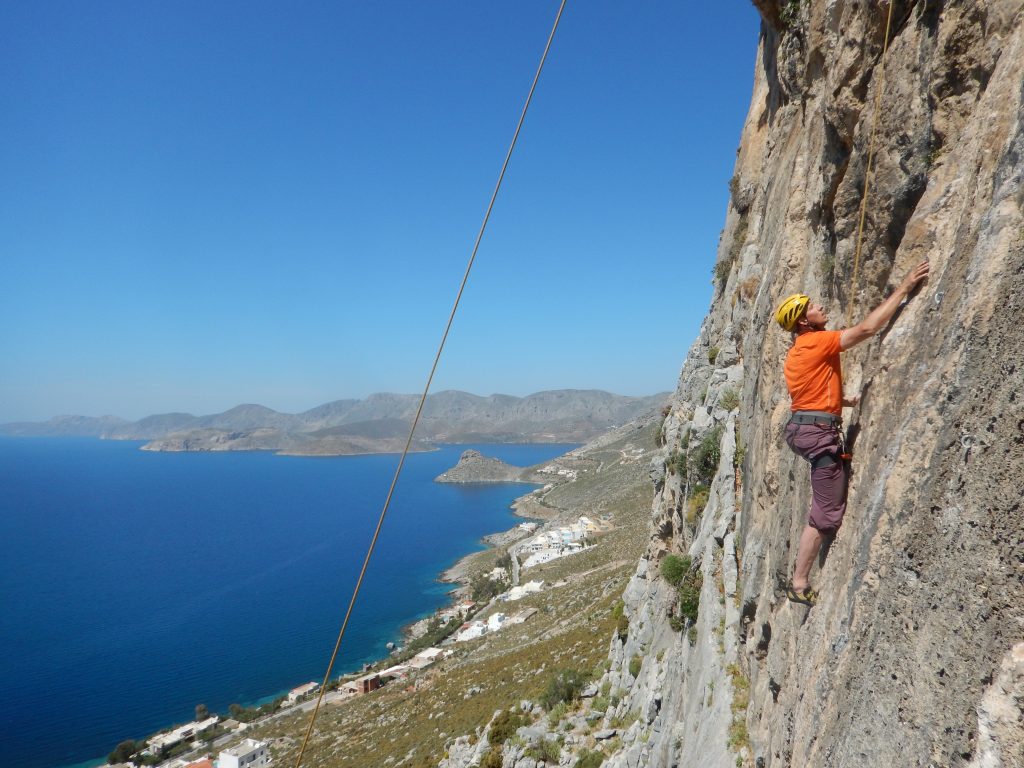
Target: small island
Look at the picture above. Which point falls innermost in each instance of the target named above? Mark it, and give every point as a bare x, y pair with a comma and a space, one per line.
474, 467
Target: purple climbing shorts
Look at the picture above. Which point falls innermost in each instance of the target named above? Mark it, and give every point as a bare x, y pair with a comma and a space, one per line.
828, 482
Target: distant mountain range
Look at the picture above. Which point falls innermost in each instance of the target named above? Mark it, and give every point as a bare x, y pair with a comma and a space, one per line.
378, 424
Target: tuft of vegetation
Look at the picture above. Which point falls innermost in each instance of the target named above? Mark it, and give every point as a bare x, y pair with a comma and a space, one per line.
730, 400
492, 758
712, 356
676, 623
696, 502
738, 735
621, 620
635, 664
789, 13
704, 460
547, 750
659, 435
589, 759
673, 568
505, 725
689, 595
565, 686
555, 715
722, 269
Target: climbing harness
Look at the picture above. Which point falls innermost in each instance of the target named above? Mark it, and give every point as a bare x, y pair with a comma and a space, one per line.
824, 419
867, 173
426, 390
816, 417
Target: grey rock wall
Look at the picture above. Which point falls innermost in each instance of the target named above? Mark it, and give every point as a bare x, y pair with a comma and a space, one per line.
913, 657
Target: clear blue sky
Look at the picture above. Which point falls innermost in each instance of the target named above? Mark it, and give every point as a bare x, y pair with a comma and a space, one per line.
206, 204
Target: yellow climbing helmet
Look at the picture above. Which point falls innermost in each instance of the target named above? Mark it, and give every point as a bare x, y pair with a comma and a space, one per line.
791, 309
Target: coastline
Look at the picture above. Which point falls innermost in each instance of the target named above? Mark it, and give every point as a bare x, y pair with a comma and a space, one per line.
527, 506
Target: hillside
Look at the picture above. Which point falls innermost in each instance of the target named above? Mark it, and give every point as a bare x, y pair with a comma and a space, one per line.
378, 424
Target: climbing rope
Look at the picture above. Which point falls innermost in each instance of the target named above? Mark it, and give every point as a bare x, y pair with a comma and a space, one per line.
867, 173
426, 390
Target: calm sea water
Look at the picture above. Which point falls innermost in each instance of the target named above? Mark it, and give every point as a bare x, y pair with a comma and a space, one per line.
135, 585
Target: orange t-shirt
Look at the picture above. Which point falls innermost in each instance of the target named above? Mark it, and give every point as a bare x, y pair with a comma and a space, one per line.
813, 373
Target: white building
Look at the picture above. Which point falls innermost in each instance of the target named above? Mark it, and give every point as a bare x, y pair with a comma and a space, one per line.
297, 693
249, 754
181, 733
495, 621
471, 631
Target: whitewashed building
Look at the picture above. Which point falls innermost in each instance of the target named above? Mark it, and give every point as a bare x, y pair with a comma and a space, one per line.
249, 754
297, 693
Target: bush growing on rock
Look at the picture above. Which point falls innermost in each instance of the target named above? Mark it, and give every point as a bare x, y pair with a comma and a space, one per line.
696, 503
729, 400
634, 666
505, 725
588, 759
704, 461
492, 758
673, 568
565, 686
689, 596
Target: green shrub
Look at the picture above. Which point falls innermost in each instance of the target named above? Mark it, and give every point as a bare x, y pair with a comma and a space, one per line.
555, 715
689, 596
635, 664
704, 460
483, 588
492, 759
123, 751
588, 759
712, 354
565, 686
676, 623
729, 400
621, 621
673, 568
547, 750
789, 13
696, 502
505, 725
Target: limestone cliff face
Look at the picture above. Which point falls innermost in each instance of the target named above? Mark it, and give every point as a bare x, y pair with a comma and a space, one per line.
914, 655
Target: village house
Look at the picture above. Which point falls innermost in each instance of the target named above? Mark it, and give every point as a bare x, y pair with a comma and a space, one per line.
471, 631
362, 685
249, 754
179, 734
297, 693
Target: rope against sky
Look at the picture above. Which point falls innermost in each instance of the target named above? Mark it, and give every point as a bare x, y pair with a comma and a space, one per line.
426, 389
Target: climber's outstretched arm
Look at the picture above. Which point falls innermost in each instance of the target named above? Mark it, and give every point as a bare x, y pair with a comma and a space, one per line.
880, 316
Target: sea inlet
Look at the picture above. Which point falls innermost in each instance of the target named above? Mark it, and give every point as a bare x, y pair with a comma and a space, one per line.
137, 585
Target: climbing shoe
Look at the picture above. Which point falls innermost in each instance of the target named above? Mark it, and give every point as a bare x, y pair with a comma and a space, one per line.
807, 597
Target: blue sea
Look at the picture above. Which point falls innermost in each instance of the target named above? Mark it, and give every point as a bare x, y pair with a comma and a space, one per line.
136, 585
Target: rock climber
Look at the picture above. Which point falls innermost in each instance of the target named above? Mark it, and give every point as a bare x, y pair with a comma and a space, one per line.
815, 382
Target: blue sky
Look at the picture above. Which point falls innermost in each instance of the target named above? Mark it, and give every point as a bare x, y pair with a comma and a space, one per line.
206, 204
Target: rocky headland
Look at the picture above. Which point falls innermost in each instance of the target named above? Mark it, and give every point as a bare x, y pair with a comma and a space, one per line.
474, 467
